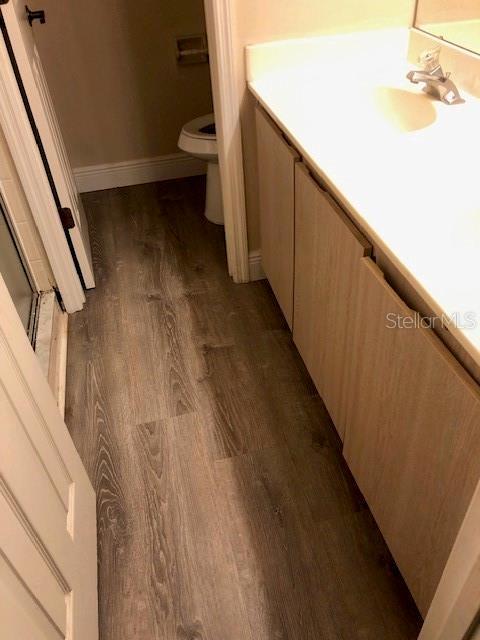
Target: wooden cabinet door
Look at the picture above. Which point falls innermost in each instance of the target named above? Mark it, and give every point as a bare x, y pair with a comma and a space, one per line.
328, 250
276, 169
413, 437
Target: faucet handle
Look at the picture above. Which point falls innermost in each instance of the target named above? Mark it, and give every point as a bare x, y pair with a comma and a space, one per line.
430, 59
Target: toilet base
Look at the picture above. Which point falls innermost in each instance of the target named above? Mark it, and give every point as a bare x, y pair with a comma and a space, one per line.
213, 203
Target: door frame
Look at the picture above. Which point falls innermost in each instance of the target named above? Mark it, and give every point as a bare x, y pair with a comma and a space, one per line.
29, 165
226, 102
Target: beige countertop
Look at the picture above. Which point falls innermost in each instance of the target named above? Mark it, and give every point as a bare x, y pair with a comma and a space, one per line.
404, 165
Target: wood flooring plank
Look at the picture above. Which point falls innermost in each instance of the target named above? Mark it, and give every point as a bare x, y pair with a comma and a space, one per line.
194, 582
98, 436
97, 403
269, 538
319, 464
295, 583
158, 386
103, 239
242, 418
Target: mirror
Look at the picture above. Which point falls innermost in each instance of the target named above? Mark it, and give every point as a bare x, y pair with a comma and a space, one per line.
455, 21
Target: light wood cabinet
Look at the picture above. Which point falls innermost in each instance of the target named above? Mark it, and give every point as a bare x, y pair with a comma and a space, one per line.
408, 412
328, 250
276, 169
413, 437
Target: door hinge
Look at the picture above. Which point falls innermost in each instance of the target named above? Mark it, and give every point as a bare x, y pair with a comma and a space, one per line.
35, 15
59, 298
66, 218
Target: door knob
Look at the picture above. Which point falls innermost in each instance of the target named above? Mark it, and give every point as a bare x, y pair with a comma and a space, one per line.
35, 15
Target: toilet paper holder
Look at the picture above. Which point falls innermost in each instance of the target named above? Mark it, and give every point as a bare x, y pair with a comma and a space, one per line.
191, 49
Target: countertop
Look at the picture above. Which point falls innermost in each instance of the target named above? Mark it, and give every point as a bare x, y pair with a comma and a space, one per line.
405, 166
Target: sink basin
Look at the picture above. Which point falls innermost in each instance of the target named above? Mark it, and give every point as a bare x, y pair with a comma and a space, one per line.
405, 110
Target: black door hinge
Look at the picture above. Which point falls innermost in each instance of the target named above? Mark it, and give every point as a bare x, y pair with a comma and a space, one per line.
35, 15
66, 218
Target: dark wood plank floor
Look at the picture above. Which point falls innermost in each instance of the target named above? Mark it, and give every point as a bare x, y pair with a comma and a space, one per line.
225, 510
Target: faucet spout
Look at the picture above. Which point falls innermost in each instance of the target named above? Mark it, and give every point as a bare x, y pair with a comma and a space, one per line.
436, 82
423, 76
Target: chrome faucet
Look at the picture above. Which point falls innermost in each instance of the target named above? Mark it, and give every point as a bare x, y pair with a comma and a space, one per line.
437, 83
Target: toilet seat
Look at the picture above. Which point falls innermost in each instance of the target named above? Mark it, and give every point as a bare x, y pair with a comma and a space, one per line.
199, 143
193, 128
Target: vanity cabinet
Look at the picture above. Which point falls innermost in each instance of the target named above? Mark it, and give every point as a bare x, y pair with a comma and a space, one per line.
413, 436
276, 172
328, 250
407, 411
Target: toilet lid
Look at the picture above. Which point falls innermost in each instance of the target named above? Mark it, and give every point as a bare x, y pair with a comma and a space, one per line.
201, 127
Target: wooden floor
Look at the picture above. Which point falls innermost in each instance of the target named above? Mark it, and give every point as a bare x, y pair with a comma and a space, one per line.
225, 509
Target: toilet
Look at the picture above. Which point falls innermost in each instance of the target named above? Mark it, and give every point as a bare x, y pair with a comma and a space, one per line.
198, 138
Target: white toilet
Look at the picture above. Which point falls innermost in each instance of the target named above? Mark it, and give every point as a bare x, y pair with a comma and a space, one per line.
199, 139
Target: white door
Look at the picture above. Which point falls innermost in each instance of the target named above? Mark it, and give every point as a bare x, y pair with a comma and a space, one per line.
48, 568
30, 67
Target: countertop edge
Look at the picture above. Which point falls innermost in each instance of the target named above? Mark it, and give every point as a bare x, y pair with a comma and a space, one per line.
368, 231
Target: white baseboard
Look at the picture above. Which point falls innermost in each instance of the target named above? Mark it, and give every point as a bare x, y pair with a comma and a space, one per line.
122, 174
255, 264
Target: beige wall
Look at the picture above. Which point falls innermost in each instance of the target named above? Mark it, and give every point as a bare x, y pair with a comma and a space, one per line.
22, 219
447, 10
263, 20
116, 86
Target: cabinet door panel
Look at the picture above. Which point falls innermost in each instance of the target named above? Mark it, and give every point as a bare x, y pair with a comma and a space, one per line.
413, 437
276, 165
328, 250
